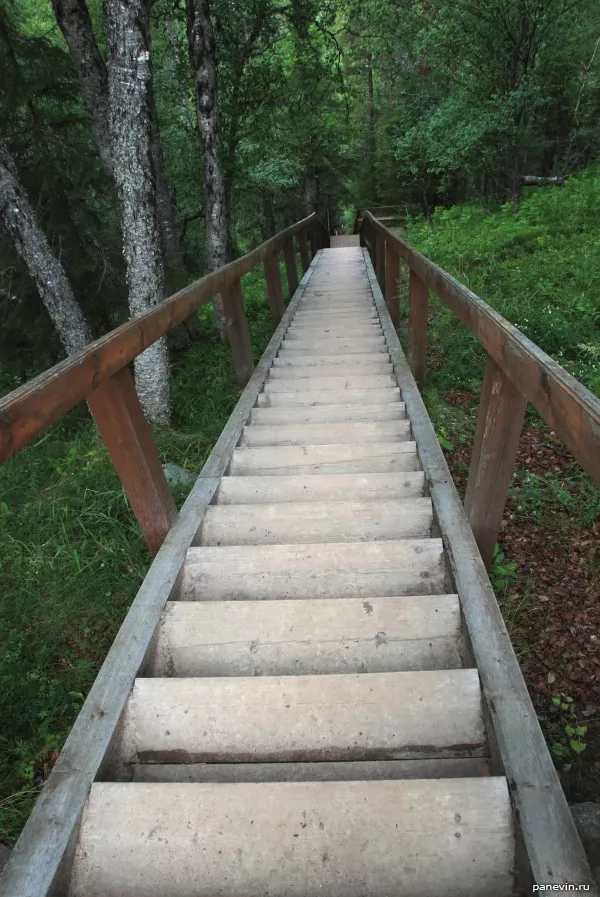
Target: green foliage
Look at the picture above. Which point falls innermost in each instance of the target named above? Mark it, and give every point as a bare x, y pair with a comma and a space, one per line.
569, 744
536, 265
503, 573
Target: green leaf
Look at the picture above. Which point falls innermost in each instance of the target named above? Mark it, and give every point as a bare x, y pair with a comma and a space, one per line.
577, 746
569, 730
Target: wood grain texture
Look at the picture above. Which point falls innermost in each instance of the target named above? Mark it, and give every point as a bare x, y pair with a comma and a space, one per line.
499, 424
392, 283
274, 287
126, 433
238, 332
417, 327
553, 847
291, 270
571, 410
303, 245
28, 410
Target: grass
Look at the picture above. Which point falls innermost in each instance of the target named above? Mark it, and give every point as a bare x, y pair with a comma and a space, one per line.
72, 556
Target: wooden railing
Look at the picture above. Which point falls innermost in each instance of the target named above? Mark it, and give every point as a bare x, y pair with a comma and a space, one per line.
517, 371
100, 374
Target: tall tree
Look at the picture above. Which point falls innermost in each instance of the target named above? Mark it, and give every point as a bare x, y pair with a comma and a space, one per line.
203, 56
130, 120
19, 218
74, 20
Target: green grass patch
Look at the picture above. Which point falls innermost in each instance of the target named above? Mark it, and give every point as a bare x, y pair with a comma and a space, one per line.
72, 555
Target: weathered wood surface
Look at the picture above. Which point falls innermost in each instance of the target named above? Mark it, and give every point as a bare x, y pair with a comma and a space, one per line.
35, 865
552, 844
28, 410
304, 256
568, 408
499, 424
392, 283
343, 241
274, 287
126, 433
291, 270
417, 327
238, 332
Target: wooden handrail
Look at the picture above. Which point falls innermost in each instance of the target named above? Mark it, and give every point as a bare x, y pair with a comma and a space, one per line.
569, 409
99, 374
28, 410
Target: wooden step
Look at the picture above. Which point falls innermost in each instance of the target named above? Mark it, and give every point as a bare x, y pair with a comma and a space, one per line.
367, 486
314, 330
320, 522
370, 457
335, 343
328, 771
423, 838
290, 371
259, 719
313, 637
367, 381
322, 413
336, 570
326, 433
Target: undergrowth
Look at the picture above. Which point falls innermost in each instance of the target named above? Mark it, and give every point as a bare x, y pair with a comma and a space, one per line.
72, 556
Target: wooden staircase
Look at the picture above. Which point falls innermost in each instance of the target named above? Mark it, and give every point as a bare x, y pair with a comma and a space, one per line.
314, 692
309, 721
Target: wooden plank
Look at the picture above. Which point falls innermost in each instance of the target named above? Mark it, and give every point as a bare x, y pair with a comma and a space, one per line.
303, 244
368, 457
28, 410
499, 424
126, 433
291, 270
271, 719
553, 846
568, 408
274, 287
313, 236
238, 332
392, 283
381, 262
286, 839
42, 853
368, 487
417, 327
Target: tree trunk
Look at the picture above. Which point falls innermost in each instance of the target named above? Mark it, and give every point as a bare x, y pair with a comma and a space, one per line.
203, 56
130, 116
76, 25
18, 216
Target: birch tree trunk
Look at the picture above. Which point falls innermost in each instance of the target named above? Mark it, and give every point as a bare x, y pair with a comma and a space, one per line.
74, 21
203, 56
19, 218
130, 116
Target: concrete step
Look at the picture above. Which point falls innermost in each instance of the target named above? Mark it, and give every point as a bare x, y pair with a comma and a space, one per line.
319, 522
370, 457
336, 570
259, 719
326, 413
312, 637
423, 838
326, 433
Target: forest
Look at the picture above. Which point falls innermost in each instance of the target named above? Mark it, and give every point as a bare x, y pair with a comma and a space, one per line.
144, 143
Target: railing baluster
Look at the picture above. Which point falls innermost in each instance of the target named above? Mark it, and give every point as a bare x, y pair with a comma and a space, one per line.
380, 262
291, 269
392, 283
314, 240
274, 287
417, 327
499, 425
238, 332
303, 243
120, 420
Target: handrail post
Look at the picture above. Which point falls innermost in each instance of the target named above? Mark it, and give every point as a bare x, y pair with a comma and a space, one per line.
274, 287
417, 327
314, 241
392, 283
238, 332
303, 243
499, 424
380, 262
119, 417
291, 270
